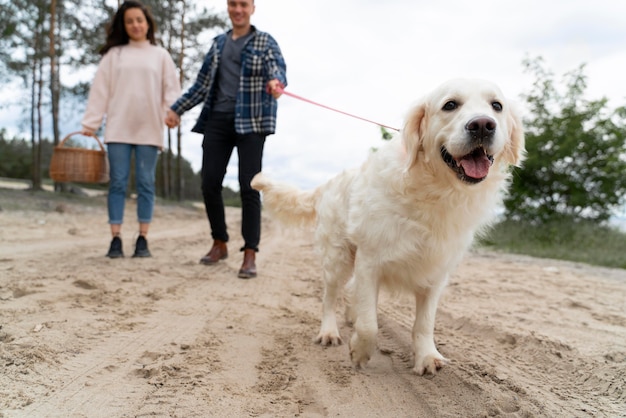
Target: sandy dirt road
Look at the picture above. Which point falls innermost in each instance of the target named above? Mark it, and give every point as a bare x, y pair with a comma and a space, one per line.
85, 336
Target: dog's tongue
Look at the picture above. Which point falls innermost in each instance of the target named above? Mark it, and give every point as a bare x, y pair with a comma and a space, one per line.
475, 165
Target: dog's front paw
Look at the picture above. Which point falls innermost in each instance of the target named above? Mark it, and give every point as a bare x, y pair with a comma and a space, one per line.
429, 364
329, 338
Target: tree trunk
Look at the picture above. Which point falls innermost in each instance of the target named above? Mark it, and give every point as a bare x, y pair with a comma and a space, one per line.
54, 75
180, 185
166, 167
33, 139
55, 81
38, 177
37, 98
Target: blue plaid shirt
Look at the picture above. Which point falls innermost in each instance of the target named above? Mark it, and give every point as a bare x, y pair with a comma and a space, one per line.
255, 108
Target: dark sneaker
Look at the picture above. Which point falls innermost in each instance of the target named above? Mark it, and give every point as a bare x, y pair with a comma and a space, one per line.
141, 247
115, 250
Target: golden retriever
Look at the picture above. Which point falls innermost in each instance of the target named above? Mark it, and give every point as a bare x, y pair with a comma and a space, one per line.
405, 218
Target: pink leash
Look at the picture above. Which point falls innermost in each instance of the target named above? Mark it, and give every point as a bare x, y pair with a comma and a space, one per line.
295, 96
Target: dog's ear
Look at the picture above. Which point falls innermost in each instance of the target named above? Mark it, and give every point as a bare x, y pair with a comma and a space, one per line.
514, 150
412, 134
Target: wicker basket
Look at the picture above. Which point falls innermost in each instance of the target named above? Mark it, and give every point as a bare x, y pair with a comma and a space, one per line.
79, 165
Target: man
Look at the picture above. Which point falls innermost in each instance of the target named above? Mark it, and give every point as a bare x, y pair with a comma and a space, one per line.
242, 76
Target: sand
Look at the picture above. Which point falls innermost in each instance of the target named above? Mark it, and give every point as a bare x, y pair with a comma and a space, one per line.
85, 336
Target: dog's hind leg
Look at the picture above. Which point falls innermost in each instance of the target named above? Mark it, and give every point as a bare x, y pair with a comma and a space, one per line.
337, 267
348, 297
364, 300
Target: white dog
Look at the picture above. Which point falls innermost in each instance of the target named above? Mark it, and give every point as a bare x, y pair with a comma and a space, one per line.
405, 218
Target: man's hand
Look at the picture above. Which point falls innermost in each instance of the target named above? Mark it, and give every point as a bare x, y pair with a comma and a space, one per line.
275, 88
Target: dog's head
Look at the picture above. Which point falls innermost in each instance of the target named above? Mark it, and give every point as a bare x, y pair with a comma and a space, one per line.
466, 125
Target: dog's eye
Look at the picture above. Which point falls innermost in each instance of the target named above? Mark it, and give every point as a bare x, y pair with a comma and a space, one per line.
451, 105
497, 106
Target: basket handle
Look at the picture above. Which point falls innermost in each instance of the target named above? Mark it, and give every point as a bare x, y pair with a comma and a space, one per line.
68, 136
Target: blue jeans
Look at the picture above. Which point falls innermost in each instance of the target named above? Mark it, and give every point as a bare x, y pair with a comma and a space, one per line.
119, 171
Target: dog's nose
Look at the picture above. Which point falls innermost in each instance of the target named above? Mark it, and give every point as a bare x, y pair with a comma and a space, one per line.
481, 128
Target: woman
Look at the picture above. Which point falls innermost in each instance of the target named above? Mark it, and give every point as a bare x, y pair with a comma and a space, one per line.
135, 83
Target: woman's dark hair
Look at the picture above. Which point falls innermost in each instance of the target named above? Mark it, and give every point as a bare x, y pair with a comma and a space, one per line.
116, 32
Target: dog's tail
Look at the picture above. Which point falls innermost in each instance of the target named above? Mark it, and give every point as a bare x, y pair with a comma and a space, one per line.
288, 204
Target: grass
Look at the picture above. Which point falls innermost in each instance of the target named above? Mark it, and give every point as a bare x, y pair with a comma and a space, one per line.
18, 199
48, 201
584, 242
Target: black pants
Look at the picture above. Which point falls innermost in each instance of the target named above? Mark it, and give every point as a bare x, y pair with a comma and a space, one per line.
219, 140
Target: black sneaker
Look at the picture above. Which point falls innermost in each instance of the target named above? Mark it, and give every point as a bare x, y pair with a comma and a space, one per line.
115, 250
141, 247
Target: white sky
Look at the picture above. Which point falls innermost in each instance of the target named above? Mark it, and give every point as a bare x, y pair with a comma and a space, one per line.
376, 58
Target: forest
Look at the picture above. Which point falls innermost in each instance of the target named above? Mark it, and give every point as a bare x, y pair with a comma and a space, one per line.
46, 46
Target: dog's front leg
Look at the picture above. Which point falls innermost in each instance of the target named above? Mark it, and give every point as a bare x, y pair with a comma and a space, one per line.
427, 357
364, 307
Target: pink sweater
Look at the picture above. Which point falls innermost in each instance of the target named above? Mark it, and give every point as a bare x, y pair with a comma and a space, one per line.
134, 86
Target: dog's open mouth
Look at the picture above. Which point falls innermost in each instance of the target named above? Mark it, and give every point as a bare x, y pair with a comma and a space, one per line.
471, 168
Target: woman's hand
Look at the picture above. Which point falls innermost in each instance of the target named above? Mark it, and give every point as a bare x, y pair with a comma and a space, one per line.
172, 120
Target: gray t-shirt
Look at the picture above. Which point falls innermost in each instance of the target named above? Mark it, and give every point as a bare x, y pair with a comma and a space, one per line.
228, 74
